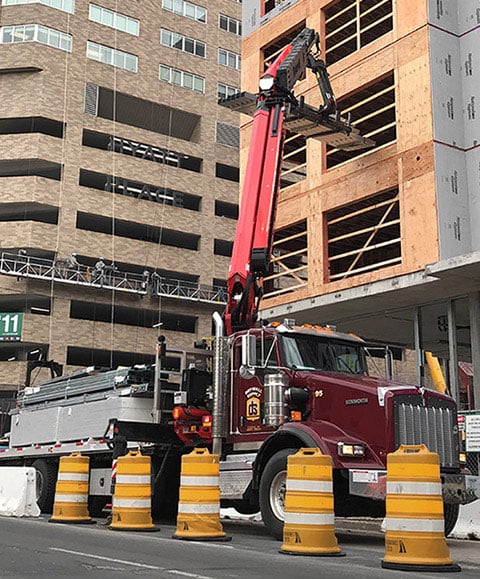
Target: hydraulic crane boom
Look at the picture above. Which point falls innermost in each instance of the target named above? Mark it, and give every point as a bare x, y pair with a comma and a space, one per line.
275, 109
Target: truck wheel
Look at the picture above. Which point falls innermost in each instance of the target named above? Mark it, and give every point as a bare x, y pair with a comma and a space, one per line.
272, 492
46, 481
451, 516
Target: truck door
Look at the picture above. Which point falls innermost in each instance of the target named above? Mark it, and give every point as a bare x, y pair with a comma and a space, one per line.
248, 392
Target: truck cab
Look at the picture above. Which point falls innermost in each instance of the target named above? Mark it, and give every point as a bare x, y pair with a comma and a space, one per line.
292, 386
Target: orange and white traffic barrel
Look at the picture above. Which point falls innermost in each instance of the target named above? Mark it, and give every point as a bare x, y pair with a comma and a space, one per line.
309, 515
132, 499
198, 516
415, 536
71, 491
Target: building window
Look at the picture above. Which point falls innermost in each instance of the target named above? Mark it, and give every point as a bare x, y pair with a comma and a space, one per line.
268, 5
139, 190
372, 110
117, 144
181, 78
114, 19
226, 209
82, 310
187, 9
110, 104
364, 236
112, 56
229, 24
36, 33
224, 90
137, 231
222, 247
43, 125
228, 135
64, 5
230, 59
227, 172
352, 24
289, 263
183, 43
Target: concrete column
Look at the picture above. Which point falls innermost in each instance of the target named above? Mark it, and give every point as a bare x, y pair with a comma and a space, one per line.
453, 351
418, 339
474, 303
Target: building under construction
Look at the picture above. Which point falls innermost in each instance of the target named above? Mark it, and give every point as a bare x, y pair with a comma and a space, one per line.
118, 177
383, 242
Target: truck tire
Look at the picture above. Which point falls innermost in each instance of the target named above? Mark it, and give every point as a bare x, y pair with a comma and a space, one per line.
46, 481
272, 492
451, 516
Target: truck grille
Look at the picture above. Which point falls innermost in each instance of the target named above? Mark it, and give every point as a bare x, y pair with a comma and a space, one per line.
434, 426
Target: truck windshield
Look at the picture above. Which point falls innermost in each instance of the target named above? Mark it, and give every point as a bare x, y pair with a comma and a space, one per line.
311, 353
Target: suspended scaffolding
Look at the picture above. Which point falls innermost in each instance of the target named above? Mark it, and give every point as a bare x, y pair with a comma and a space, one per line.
108, 278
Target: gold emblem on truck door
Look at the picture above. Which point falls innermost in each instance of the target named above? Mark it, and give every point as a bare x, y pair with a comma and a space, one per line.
252, 403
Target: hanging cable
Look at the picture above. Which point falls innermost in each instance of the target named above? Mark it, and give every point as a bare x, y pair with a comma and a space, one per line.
61, 192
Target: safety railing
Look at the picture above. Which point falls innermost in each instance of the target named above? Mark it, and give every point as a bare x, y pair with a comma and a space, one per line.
188, 290
108, 277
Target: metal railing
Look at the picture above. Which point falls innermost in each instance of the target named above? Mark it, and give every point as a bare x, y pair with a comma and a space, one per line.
188, 290
109, 278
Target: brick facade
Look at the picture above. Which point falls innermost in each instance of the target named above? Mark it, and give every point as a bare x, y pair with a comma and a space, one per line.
41, 81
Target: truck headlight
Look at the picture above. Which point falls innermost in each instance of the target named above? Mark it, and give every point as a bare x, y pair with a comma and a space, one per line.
350, 449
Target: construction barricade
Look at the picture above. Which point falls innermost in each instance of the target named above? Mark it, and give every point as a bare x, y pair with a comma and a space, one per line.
18, 492
309, 517
71, 491
199, 503
415, 536
132, 501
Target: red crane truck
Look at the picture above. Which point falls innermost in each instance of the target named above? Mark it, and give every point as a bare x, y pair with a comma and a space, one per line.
264, 390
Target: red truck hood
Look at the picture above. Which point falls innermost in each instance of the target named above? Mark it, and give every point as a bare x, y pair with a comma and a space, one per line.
366, 384
369, 384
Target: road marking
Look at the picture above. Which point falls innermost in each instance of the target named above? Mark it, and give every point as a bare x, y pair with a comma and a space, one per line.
132, 563
215, 545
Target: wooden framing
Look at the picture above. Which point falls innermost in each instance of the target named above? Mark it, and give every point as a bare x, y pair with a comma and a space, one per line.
364, 236
385, 85
294, 165
289, 264
352, 24
372, 110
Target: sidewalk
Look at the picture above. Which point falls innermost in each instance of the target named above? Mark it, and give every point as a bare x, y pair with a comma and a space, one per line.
467, 527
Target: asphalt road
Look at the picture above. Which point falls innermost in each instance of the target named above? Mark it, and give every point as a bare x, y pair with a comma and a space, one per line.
37, 548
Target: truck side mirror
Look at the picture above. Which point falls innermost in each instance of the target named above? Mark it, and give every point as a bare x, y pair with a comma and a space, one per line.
249, 356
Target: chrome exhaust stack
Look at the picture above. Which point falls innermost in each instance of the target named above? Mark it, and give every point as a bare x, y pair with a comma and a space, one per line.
220, 373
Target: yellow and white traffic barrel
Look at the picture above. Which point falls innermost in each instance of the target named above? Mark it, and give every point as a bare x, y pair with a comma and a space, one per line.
132, 499
71, 491
199, 502
415, 537
309, 515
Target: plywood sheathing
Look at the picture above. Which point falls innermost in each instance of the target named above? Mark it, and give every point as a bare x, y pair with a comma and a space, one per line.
407, 163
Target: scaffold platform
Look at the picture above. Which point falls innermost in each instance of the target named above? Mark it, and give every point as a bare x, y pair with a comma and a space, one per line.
110, 278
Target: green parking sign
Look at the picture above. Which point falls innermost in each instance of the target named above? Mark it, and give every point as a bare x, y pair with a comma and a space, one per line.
11, 327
